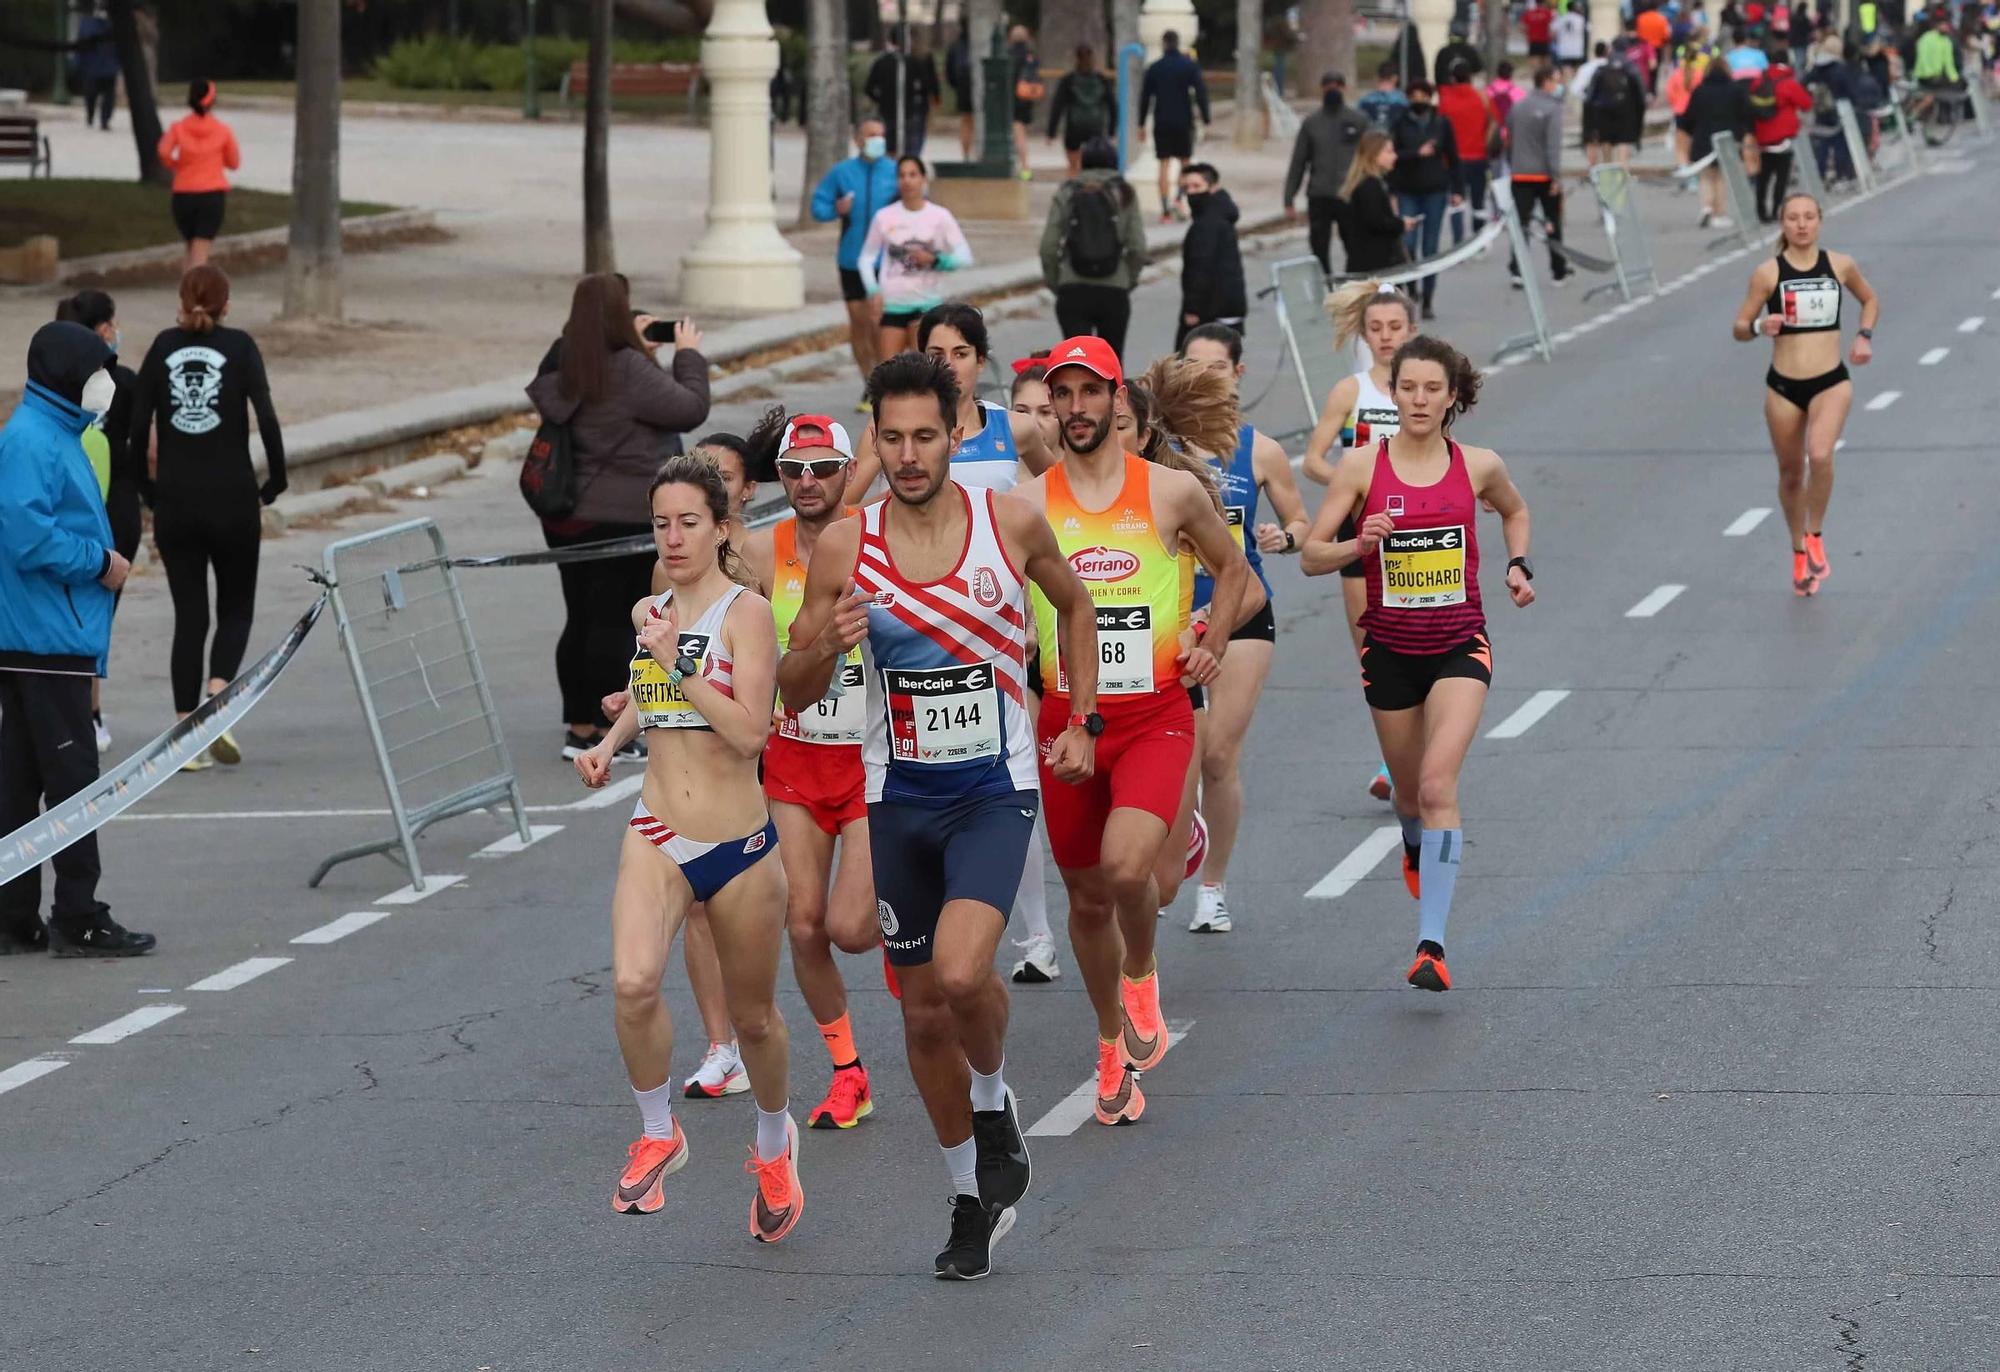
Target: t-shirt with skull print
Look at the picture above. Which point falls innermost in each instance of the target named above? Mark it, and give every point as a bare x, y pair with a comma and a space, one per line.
197, 390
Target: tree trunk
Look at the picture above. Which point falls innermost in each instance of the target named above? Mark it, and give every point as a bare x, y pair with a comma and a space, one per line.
828, 96
600, 254
981, 16
1249, 97
1326, 42
312, 261
1493, 44
139, 95
1065, 26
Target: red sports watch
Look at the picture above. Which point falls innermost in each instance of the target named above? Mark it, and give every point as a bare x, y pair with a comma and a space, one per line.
1092, 723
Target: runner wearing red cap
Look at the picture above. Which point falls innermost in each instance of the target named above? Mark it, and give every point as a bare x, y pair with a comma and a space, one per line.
1121, 521
812, 769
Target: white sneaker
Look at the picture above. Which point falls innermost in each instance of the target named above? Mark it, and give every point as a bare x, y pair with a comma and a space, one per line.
720, 1074
1722, 221
1211, 912
103, 734
200, 762
1038, 960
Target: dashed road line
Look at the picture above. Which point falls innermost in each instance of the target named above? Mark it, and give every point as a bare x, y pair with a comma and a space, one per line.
1884, 400
1352, 869
410, 895
1971, 323
335, 930
235, 975
1933, 357
122, 1028
34, 1069
512, 843
1529, 715
610, 795
1746, 521
1072, 1110
1656, 600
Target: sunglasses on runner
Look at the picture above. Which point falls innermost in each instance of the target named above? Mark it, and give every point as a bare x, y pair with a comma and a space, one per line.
823, 469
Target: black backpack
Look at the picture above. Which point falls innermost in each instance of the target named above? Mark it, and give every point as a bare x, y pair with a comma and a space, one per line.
548, 473
1089, 105
1091, 239
1609, 88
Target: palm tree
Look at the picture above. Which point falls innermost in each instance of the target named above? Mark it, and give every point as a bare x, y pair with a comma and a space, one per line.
312, 260
1326, 40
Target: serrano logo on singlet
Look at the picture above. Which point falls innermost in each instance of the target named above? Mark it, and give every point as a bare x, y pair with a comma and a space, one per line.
986, 587
1131, 522
1104, 564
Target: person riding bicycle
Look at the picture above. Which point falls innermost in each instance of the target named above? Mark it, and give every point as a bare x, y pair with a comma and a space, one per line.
1936, 67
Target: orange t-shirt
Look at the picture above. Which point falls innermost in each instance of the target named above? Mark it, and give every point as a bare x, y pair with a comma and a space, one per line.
201, 149
1654, 28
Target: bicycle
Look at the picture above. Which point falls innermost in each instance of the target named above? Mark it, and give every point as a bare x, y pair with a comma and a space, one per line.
1937, 109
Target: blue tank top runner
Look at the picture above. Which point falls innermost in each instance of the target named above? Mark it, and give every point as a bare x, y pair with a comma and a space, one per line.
1238, 478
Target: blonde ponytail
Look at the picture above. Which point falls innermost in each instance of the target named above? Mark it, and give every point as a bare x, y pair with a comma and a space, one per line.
1348, 308
1193, 416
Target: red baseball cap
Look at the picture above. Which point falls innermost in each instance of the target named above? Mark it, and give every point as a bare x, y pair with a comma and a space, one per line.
830, 434
1092, 354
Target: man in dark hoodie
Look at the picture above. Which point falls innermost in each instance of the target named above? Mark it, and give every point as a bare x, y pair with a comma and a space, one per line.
58, 570
1325, 148
1212, 290
1427, 156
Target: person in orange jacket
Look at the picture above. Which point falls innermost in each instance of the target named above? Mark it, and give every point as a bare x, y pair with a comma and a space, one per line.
202, 151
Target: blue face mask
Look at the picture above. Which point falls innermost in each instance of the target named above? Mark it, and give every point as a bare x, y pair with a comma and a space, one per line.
874, 148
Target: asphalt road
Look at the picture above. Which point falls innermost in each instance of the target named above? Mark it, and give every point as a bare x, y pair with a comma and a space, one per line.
1714, 1090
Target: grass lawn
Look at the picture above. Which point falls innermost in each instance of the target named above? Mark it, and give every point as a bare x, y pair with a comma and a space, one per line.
366, 90
97, 216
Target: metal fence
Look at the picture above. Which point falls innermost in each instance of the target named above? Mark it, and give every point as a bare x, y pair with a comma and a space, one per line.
1909, 147
1631, 250
1857, 144
1537, 339
1299, 287
423, 691
1805, 169
1736, 181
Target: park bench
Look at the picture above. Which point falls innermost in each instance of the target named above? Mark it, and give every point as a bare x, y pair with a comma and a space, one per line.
654, 79
22, 140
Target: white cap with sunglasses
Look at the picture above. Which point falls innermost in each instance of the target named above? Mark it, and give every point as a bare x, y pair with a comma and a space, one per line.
811, 439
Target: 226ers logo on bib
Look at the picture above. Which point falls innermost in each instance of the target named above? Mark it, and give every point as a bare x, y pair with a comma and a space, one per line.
663, 705
943, 716
1124, 652
1811, 302
1422, 568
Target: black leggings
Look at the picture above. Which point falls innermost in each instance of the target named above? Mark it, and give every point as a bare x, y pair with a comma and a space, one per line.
193, 536
1085, 307
1774, 174
594, 653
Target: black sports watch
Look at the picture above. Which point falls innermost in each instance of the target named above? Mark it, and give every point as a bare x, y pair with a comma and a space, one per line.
1291, 542
684, 667
1093, 723
1527, 568
1868, 334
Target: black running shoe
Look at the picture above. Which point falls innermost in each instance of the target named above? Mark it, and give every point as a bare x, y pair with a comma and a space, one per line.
100, 937
975, 1229
575, 745
1004, 1169
28, 938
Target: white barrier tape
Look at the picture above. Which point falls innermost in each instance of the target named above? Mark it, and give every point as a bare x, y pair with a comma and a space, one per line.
1417, 271
1694, 168
84, 813
579, 552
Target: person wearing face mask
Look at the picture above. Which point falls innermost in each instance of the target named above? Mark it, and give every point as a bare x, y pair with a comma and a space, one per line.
57, 574
1212, 286
200, 381
1321, 156
119, 480
852, 191
1427, 157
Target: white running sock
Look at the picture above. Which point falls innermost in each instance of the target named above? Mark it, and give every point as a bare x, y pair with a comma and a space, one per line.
772, 1136
657, 1108
962, 1161
988, 1093
1031, 900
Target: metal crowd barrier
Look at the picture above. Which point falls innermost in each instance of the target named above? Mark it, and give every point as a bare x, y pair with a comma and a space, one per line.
1284, 119
1631, 250
1736, 181
1299, 285
1857, 145
1536, 340
1982, 109
423, 691
1805, 168
1911, 162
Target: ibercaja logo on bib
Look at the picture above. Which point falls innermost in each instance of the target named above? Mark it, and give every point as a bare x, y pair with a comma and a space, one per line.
986, 587
1104, 564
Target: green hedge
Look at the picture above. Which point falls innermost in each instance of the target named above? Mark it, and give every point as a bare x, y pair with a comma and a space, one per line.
441, 63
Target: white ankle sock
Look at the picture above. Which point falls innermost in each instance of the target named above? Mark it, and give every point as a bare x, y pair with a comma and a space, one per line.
1031, 900
772, 1136
961, 1160
989, 1093
657, 1108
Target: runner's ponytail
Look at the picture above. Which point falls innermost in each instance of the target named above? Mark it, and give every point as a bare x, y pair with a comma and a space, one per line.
1348, 308
1191, 411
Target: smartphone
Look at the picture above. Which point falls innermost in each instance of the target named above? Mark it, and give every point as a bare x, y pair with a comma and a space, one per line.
661, 331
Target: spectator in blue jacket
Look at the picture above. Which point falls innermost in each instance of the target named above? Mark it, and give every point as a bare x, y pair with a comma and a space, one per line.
58, 571
97, 67
852, 191
1169, 95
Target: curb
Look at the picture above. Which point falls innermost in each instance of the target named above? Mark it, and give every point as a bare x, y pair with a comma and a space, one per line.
355, 233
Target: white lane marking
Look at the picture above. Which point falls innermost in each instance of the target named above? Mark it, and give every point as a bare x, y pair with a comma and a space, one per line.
335, 930
231, 977
410, 895
34, 1069
1072, 1110
1349, 871
138, 1022
1885, 400
1746, 521
1529, 715
1933, 357
1971, 323
500, 847
610, 795
1656, 600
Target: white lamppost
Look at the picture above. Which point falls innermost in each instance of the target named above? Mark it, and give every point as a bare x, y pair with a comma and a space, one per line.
1433, 21
741, 261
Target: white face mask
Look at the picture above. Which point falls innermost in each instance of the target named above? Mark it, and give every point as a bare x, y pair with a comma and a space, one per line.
98, 393
873, 148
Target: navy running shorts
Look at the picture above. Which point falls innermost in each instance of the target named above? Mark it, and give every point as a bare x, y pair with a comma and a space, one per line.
926, 856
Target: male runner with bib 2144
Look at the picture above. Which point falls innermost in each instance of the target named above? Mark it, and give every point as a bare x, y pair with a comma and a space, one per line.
1807, 393
702, 681
1426, 661
1121, 522
932, 583
812, 769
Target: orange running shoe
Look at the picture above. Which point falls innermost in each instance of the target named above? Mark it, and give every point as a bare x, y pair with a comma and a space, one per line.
1803, 581
1411, 877
1142, 1036
652, 1161
1428, 972
780, 1199
1119, 1100
847, 1101
1816, 562
889, 977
